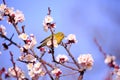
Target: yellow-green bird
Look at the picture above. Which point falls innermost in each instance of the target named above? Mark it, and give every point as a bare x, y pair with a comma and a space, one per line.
58, 37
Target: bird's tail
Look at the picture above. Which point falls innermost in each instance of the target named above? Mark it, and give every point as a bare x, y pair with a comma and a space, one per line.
39, 47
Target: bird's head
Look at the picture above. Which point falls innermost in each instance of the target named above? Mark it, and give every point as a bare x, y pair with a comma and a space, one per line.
59, 36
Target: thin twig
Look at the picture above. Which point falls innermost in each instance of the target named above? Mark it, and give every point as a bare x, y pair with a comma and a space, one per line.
68, 66
50, 65
5, 37
24, 61
42, 54
72, 73
100, 48
23, 29
43, 61
14, 65
48, 71
4, 2
49, 11
68, 51
16, 28
14, 24
72, 68
12, 36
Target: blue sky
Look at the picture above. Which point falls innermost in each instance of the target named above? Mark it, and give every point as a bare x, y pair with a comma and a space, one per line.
87, 19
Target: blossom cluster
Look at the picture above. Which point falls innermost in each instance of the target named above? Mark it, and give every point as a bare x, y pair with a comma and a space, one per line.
86, 61
35, 69
47, 23
16, 16
30, 41
27, 58
110, 61
16, 72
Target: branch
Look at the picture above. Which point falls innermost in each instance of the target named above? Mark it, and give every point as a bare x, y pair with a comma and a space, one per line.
52, 46
81, 75
79, 70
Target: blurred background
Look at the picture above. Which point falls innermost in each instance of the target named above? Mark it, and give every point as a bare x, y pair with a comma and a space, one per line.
87, 19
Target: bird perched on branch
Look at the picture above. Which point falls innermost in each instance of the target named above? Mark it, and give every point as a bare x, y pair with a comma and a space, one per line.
58, 37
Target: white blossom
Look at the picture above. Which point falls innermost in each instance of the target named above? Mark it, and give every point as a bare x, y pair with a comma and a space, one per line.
61, 58
30, 66
30, 41
31, 73
56, 72
19, 16
33, 41
23, 36
45, 26
37, 65
48, 19
71, 38
1, 16
2, 11
10, 11
47, 23
85, 61
109, 59
117, 73
37, 68
21, 58
21, 49
26, 46
29, 57
2, 7
3, 30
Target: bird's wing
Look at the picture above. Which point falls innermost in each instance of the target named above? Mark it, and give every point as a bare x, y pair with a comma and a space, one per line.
46, 39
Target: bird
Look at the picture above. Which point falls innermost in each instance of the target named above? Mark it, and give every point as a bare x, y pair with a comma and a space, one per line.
58, 37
